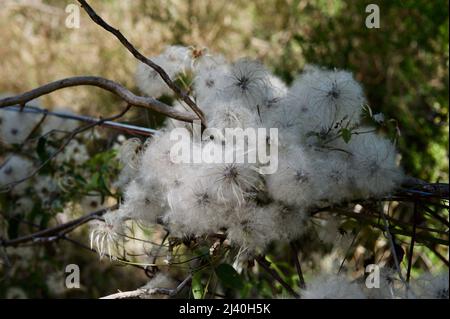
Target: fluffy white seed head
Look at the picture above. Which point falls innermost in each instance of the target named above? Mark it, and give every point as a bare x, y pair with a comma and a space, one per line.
74, 152
210, 78
107, 236
231, 114
174, 60
179, 58
234, 183
13, 169
374, 169
129, 156
251, 229
247, 81
327, 98
156, 162
295, 182
315, 166
432, 287
45, 188
194, 209
15, 127
144, 202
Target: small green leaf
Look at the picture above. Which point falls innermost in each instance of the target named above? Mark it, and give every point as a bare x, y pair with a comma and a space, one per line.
346, 134
197, 286
229, 276
246, 289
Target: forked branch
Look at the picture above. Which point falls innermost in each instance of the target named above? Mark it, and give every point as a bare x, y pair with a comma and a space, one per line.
179, 92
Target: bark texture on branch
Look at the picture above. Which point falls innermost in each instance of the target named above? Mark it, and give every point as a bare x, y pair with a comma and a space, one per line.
108, 85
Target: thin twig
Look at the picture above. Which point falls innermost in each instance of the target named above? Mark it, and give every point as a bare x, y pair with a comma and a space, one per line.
57, 230
266, 266
347, 252
420, 238
108, 85
411, 246
393, 249
298, 266
145, 292
179, 92
127, 128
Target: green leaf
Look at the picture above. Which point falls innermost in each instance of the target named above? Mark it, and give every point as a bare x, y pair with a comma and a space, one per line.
41, 150
346, 134
229, 276
197, 286
43, 223
13, 228
95, 181
44, 155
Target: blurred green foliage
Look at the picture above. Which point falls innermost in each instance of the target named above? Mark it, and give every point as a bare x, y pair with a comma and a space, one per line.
403, 65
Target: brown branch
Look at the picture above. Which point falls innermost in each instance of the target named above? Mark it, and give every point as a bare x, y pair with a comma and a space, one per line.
179, 92
393, 248
108, 85
142, 293
59, 230
298, 266
435, 192
266, 266
128, 128
438, 254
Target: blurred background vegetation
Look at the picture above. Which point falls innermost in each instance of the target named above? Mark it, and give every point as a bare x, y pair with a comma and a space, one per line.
403, 66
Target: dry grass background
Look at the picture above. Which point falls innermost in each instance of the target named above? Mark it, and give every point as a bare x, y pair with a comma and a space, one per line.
39, 48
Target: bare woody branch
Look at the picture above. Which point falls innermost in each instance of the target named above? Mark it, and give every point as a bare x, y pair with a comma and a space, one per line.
59, 230
143, 293
127, 128
301, 283
178, 91
108, 85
